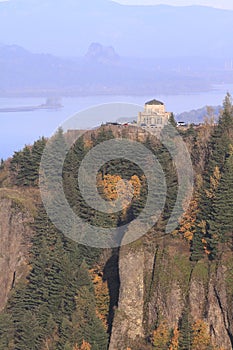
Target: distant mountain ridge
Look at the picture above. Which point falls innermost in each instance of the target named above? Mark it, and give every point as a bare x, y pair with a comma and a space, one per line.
145, 31
198, 115
132, 49
102, 71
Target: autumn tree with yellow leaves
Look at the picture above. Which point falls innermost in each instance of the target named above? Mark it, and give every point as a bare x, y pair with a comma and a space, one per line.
200, 336
102, 296
161, 337
85, 346
174, 344
188, 221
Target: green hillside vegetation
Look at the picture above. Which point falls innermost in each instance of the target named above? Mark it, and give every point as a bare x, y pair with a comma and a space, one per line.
59, 304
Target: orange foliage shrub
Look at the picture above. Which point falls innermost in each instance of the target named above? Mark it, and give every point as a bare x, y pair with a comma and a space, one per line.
112, 186
101, 294
161, 336
84, 346
187, 223
201, 336
175, 340
214, 182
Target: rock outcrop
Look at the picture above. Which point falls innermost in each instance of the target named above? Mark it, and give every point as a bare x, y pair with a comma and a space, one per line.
15, 234
129, 316
161, 285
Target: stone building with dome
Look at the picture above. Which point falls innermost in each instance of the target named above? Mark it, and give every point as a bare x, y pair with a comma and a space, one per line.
154, 115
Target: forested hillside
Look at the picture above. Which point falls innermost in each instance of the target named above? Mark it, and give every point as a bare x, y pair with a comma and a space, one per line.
165, 291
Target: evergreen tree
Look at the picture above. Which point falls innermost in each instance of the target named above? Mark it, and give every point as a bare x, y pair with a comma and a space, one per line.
54, 157
185, 331
57, 304
24, 166
172, 120
197, 247
221, 220
222, 136
6, 332
219, 151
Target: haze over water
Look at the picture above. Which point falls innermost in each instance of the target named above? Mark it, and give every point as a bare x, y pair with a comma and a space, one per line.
21, 128
175, 51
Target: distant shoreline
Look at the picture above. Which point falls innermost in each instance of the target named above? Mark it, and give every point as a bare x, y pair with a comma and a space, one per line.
145, 91
30, 108
111, 92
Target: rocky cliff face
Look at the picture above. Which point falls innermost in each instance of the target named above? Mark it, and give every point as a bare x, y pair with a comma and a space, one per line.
128, 321
160, 284
15, 233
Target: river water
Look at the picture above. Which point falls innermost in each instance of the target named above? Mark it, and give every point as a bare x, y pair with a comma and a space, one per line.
20, 128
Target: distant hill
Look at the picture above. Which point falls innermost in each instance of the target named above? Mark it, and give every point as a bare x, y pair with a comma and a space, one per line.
100, 71
198, 115
102, 47
68, 27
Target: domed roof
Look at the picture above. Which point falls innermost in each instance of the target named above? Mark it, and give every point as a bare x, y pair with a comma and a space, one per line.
154, 102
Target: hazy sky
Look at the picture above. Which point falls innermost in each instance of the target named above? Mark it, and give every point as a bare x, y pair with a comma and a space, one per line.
225, 4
